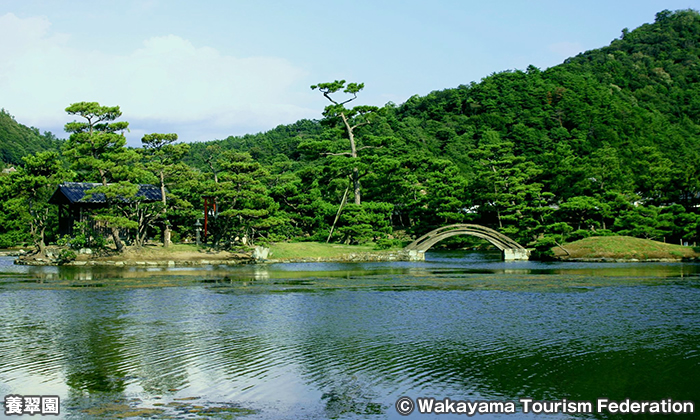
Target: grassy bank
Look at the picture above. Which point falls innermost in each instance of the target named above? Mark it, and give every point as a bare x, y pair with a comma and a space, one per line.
152, 254
282, 250
301, 250
190, 254
173, 252
624, 248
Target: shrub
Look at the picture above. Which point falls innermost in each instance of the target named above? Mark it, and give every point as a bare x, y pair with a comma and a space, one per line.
66, 256
388, 243
543, 248
578, 234
360, 224
84, 237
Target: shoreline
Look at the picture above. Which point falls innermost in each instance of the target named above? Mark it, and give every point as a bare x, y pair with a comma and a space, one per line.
158, 258
352, 258
624, 249
614, 249
248, 259
627, 260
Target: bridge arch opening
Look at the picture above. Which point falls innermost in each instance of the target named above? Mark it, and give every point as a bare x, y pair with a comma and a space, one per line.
510, 250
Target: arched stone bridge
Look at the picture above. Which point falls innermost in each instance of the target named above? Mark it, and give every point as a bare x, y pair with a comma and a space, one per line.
510, 249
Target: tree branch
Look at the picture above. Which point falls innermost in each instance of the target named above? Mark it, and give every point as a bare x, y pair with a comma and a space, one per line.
354, 96
337, 154
329, 97
290, 204
359, 125
369, 147
563, 249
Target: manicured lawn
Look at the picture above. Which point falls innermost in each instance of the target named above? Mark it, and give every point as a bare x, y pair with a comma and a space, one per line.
624, 247
284, 250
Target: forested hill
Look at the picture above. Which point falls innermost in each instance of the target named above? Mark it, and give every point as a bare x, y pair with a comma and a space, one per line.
626, 114
17, 140
607, 142
624, 117
282, 140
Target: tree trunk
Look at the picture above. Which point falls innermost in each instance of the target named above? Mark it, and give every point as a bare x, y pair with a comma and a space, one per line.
495, 195
142, 238
353, 153
39, 242
337, 215
166, 230
117, 242
166, 236
42, 234
115, 231
563, 249
211, 166
356, 185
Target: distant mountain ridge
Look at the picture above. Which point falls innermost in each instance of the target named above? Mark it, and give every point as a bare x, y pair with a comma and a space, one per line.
624, 117
18, 140
628, 112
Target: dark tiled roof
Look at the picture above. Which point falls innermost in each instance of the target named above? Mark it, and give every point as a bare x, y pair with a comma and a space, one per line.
75, 192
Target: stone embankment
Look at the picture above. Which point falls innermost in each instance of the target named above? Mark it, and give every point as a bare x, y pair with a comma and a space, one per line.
85, 257
12, 252
353, 257
629, 260
118, 263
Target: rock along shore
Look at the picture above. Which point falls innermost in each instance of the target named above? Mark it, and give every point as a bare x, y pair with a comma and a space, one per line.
626, 260
352, 257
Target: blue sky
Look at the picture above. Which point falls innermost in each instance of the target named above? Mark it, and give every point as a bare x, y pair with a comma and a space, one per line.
210, 69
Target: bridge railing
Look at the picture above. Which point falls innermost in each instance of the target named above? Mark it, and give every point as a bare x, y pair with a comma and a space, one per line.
499, 240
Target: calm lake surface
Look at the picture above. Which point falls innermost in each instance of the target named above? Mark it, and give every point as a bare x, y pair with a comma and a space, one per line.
317, 341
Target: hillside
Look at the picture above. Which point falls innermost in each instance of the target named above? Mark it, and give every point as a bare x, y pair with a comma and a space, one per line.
624, 248
18, 140
606, 143
607, 140
627, 114
282, 140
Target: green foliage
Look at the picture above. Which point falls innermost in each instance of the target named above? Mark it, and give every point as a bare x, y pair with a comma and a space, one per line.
387, 243
10, 238
66, 256
606, 143
97, 150
365, 223
245, 208
280, 143
640, 222
25, 195
351, 120
96, 147
163, 158
542, 248
84, 237
586, 213
580, 234
18, 140
356, 115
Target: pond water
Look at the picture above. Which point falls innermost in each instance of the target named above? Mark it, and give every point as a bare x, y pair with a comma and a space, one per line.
324, 340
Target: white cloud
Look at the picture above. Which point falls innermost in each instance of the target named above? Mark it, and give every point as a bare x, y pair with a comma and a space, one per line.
168, 84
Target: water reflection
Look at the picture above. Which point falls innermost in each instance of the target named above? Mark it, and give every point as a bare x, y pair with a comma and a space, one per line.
438, 264
269, 342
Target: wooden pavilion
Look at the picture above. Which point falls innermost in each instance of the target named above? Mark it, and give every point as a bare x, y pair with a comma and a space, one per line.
75, 204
